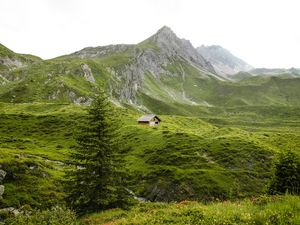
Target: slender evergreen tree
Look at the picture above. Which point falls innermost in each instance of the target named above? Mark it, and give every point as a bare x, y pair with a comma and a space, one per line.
287, 174
96, 182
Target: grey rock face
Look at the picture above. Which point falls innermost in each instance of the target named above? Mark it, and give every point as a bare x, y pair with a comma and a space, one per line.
168, 49
224, 63
88, 75
83, 101
151, 56
11, 63
171, 46
2, 175
11, 210
2, 189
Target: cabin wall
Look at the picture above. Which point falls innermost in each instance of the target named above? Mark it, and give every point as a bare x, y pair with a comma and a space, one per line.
152, 123
143, 123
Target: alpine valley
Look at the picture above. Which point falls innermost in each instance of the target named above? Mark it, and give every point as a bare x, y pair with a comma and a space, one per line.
222, 122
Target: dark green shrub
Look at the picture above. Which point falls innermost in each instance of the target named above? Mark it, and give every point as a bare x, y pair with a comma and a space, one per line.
287, 174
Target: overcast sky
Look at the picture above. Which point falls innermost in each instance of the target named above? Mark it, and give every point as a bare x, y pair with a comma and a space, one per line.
264, 33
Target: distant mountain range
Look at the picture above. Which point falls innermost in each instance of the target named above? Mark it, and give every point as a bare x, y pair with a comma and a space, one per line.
161, 74
223, 61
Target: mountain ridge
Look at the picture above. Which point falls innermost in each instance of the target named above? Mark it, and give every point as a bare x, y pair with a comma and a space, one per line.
160, 74
224, 62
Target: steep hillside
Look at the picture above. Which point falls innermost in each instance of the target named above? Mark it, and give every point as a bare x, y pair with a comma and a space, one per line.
10, 61
58, 81
124, 71
163, 74
223, 61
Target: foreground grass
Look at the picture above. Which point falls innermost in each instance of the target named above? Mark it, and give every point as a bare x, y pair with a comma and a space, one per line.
263, 210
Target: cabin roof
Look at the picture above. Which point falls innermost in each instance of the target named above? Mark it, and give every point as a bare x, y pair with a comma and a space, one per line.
148, 117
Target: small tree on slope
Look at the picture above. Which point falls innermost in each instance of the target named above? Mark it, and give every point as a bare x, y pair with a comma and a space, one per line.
287, 174
96, 183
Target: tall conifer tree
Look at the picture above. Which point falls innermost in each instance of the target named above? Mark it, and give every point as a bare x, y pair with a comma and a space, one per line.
96, 183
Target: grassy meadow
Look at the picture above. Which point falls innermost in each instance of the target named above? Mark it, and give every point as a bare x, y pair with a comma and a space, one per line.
223, 154
263, 210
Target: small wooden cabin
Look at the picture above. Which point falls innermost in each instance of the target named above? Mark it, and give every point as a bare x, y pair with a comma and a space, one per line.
150, 120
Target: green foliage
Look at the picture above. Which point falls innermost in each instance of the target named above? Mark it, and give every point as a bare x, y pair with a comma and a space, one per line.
287, 174
29, 182
29, 136
54, 216
280, 210
96, 183
187, 158
227, 157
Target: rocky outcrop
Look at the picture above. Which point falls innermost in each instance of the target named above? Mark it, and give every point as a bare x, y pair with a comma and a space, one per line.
2, 175
82, 101
153, 56
10, 210
11, 63
2, 188
88, 75
171, 46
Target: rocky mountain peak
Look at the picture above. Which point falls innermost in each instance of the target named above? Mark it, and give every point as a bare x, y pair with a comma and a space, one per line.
165, 32
172, 46
165, 35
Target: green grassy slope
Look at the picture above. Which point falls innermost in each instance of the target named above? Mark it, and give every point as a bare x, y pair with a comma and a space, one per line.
188, 158
62, 80
183, 158
5, 52
10, 60
34, 142
195, 89
52, 81
284, 210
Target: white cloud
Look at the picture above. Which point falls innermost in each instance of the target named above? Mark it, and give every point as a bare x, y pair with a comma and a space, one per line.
262, 32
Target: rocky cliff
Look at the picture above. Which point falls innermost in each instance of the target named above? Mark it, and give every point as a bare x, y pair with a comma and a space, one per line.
154, 57
2, 188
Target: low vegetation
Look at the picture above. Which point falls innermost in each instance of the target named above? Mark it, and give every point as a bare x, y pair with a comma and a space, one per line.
54, 216
260, 210
221, 155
